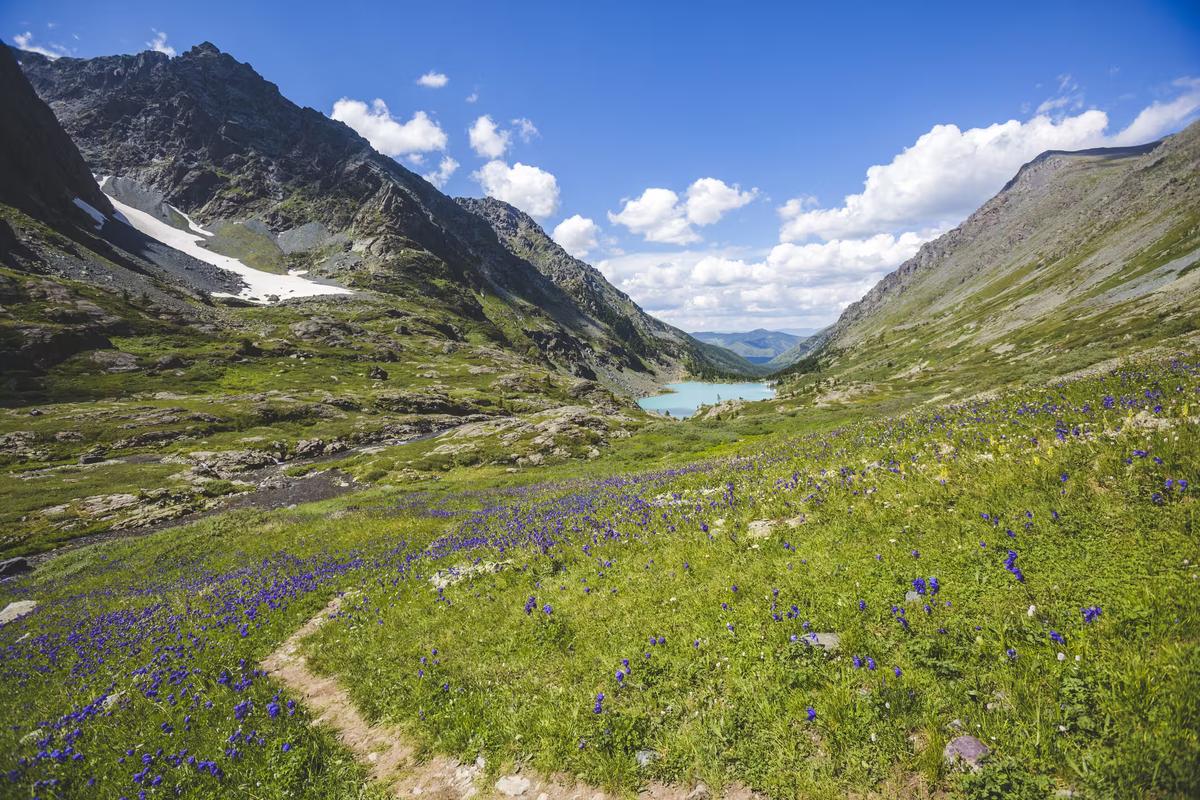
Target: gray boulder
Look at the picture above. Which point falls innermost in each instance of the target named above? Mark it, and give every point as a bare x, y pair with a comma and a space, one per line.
826, 640
14, 566
965, 751
16, 610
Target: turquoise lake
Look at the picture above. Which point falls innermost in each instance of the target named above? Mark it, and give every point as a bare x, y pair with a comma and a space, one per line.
686, 397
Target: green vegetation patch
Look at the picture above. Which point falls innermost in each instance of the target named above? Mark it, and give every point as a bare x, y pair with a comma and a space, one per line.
1021, 569
250, 243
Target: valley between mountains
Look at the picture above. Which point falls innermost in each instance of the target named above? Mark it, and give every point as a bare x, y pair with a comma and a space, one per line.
317, 482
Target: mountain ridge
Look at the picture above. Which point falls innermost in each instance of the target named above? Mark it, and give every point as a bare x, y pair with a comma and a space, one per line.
524, 237
222, 144
1074, 261
30, 181
760, 344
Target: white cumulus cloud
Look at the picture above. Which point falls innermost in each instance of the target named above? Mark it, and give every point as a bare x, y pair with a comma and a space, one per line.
1160, 117
657, 216
830, 256
445, 169
526, 129
724, 290
577, 235
709, 199
949, 172
385, 133
159, 43
660, 215
533, 190
944, 176
841, 260
24, 41
487, 139
433, 80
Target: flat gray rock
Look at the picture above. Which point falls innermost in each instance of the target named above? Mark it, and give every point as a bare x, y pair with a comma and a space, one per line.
826, 640
760, 528
966, 750
16, 610
513, 785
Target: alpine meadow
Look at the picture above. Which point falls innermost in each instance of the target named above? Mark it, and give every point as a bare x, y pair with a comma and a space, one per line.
575, 421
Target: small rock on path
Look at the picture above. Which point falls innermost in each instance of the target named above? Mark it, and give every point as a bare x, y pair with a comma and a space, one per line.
513, 785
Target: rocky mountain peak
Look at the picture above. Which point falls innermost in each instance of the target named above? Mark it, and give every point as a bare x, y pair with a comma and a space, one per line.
204, 48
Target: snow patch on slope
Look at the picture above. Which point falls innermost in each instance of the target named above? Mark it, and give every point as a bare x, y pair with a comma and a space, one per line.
261, 287
91, 211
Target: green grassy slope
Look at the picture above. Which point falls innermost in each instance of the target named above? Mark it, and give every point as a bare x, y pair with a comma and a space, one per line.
1082, 258
161, 634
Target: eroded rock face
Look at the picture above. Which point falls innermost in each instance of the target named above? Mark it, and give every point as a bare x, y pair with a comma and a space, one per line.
41, 171
104, 504
40, 347
424, 403
311, 448
726, 408
21, 444
114, 361
229, 463
325, 330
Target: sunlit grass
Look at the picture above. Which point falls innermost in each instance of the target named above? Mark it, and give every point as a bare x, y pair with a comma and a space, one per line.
619, 556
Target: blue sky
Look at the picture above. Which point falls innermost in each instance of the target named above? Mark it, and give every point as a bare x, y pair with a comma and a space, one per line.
711, 148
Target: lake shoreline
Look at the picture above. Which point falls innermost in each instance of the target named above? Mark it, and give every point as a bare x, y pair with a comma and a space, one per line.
681, 400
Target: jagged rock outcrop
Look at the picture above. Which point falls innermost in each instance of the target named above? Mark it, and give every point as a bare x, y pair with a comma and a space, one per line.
55, 220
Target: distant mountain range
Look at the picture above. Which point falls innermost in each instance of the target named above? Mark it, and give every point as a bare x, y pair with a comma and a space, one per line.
758, 346
219, 194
